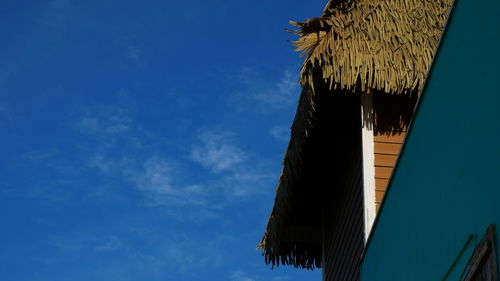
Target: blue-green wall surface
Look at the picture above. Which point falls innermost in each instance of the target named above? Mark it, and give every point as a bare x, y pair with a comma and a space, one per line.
447, 182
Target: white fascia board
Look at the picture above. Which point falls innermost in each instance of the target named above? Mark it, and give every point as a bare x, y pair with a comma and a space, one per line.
370, 211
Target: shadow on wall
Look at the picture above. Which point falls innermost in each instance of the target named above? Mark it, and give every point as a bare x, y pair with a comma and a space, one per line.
392, 112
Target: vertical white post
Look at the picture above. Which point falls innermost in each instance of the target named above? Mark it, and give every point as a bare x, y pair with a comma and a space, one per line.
368, 161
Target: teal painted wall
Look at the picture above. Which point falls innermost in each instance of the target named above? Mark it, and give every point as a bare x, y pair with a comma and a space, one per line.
447, 183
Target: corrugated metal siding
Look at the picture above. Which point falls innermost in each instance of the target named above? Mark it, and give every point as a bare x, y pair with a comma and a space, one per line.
343, 222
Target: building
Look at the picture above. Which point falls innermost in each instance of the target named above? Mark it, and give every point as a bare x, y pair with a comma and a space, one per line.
365, 66
445, 193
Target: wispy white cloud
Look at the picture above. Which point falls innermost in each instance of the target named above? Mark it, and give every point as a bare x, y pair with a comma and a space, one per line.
151, 251
284, 92
165, 179
241, 276
247, 181
217, 152
161, 182
267, 94
280, 133
104, 122
238, 173
157, 177
113, 151
134, 54
103, 164
188, 255
109, 244
181, 254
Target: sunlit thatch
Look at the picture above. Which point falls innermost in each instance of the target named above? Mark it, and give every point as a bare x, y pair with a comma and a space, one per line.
387, 45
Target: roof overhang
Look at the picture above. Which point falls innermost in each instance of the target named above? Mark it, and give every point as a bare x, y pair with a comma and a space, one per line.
356, 46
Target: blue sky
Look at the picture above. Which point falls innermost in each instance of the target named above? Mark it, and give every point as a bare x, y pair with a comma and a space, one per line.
143, 140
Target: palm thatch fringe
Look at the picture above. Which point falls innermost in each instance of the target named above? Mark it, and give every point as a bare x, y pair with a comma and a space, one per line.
276, 250
359, 46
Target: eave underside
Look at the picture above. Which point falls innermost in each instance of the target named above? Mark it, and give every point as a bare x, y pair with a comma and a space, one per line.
316, 166
293, 235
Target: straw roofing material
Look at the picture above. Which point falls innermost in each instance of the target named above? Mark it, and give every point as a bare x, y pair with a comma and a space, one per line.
357, 46
388, 45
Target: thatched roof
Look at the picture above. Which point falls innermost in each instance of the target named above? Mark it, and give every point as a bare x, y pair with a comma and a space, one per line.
356, 46
387, 45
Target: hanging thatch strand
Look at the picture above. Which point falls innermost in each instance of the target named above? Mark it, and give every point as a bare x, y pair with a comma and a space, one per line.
357, 46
